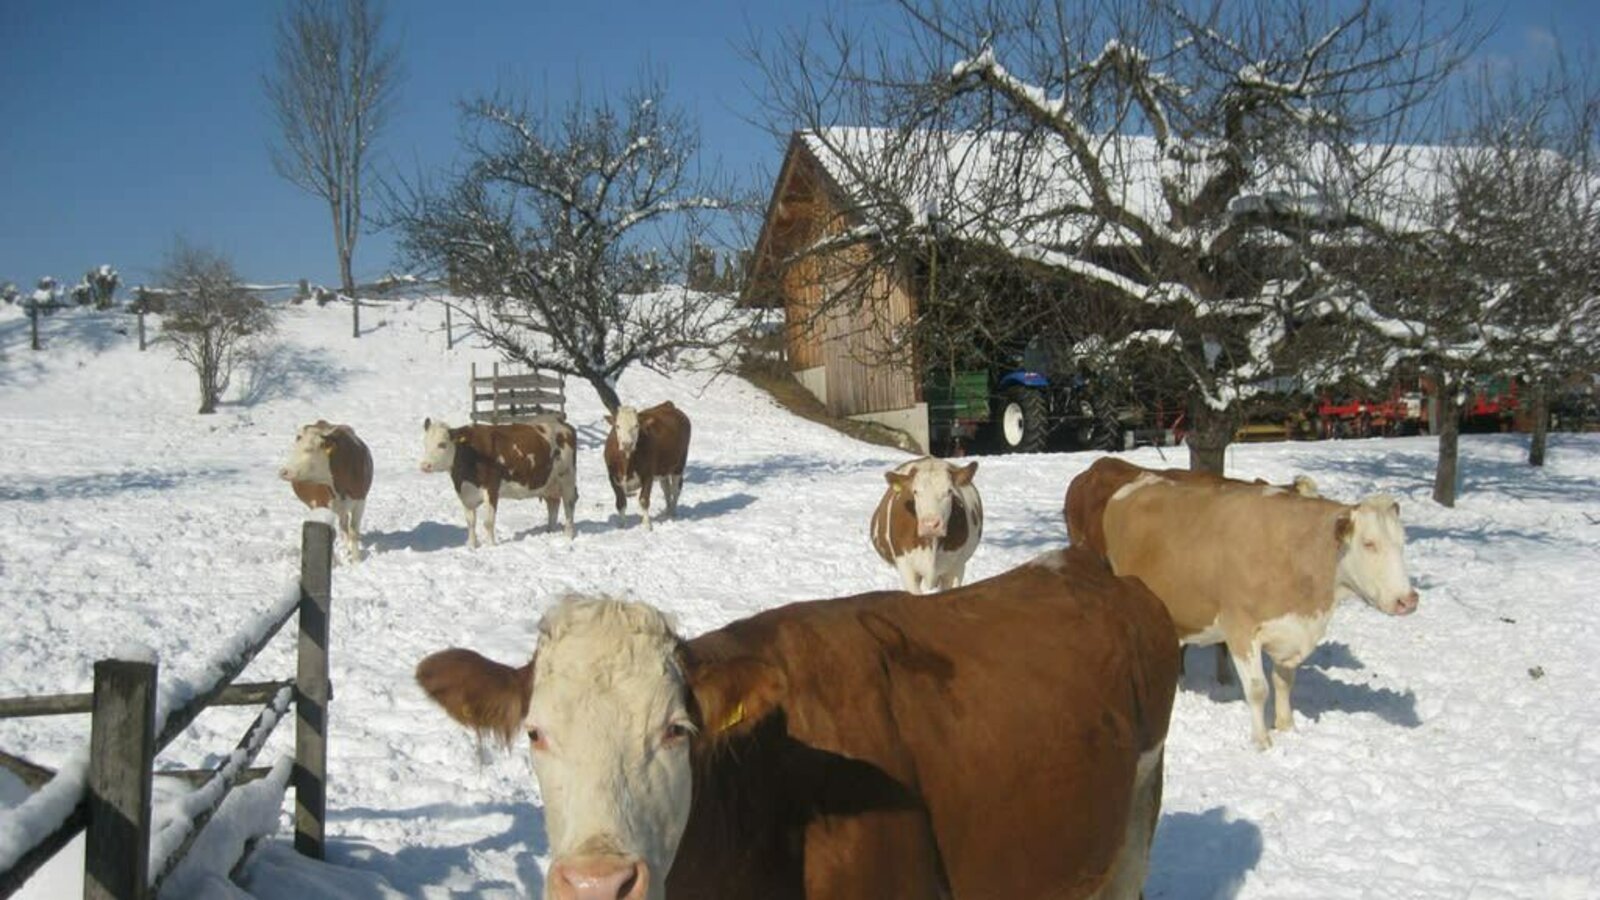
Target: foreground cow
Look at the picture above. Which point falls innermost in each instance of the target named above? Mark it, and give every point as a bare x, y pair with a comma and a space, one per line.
928, 523
488, 462
1258, 568
1000, 740
1087, 495
645, 444
329, 466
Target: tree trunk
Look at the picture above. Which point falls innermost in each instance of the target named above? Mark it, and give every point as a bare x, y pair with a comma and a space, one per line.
355, 316
608, 394
1208, 440
1541, 422
1444, 477
347, 281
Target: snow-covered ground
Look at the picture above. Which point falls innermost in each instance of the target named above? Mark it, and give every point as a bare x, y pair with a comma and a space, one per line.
1451, 754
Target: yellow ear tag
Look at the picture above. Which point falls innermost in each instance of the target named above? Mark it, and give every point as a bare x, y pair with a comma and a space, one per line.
328, 449
733, 718
461, 439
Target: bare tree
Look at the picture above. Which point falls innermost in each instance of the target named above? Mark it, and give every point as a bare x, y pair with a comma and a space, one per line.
209, 319
559, 229
332, 94
1169, 164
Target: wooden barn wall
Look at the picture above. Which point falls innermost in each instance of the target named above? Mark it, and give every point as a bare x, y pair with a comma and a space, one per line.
849, 344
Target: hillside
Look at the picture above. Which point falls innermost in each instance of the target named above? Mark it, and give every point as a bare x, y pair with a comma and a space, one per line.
1446, 755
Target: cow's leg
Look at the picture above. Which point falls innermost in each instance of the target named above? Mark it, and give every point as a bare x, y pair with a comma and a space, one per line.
622, 502
1133, 860
552, 506
910, 578
671, 486
353, 535
952, 578
472, 524
569, 502
1246, 652
1282, 684
341, 511
644, 499
489, 507
1224, 671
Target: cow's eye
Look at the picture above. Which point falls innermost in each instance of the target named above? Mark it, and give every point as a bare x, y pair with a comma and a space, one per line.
441, 445
536, 737
1370, 545
677, 731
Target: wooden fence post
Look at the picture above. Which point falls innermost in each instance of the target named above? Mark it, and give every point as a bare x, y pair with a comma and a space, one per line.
355, 317
449, 332
121, 754
312, 691
141, 329
33, 323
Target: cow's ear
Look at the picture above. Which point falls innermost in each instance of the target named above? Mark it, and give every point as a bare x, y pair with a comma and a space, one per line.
611, 420
963, 476
489, 697
734, 694
327, 444
900, 482
1394, 509
1343, 528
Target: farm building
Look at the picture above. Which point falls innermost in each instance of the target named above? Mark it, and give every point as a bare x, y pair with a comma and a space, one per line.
850, 309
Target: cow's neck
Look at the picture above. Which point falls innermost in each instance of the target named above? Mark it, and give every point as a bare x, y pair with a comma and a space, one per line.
464, 466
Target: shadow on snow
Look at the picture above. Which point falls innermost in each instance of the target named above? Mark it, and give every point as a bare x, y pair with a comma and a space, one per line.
108, 484
1315, 692
1202, 856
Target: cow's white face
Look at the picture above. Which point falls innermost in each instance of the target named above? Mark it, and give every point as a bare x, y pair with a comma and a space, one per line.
610, 733
626, 424
308, 458
605, 705
1372, 560
931, 484
438, 450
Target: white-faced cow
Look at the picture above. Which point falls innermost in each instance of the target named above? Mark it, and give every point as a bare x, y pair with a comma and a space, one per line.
1004, 739
1258, 568
645, 444
928, 523
490, 462
329, 466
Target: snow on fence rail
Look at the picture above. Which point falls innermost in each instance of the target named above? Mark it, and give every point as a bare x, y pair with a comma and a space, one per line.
106, 788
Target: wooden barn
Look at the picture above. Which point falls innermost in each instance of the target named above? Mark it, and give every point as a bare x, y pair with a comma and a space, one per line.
839, 357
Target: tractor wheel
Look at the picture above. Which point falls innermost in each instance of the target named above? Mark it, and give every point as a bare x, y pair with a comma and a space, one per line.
1022, 423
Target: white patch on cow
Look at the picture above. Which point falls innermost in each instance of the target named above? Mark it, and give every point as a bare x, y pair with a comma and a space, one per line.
626, 424
501, 460
471, 495
1273, 490
1372, 562
1143, 481
438, 450
1054, 560
608, 718
1290, 638
516, 490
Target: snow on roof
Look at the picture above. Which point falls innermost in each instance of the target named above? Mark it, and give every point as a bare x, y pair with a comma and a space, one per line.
1039, 190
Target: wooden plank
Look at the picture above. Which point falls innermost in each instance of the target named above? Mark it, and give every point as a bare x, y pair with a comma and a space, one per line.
529, 379
310, 777
250, 694
523, 396
116, 859
31, 774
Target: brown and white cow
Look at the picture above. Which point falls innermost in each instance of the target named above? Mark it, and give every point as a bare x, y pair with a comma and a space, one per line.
1258, 568
1004, 739
928, 523
329, 466
490, 462
1085, 506
645, 444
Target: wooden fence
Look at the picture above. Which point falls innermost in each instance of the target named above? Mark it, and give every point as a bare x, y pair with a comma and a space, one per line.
518, 397
113, 801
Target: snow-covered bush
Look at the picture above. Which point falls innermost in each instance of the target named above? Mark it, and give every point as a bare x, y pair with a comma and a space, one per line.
102, 282
211, 321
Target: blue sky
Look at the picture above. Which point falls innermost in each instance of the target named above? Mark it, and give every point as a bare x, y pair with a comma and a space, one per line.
124, 125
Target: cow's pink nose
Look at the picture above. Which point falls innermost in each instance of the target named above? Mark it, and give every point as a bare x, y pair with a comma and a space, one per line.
599, 878
285, 474
931, 527
1408, 604
427, 467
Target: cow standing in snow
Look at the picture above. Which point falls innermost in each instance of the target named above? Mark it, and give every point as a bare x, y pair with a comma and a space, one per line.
488, 462
645, 444
329, 466
928, 523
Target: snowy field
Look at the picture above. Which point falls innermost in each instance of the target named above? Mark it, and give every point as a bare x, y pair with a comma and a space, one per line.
1451, 754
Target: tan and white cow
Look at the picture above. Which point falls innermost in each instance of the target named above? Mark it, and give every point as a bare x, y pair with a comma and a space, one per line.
1259, 568
643, 445
1004, 739
928, 523
490, 462
329, 466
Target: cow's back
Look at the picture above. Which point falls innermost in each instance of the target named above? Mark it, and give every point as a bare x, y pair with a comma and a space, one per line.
1087, 494
1260, 552
351, 464
988, 725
